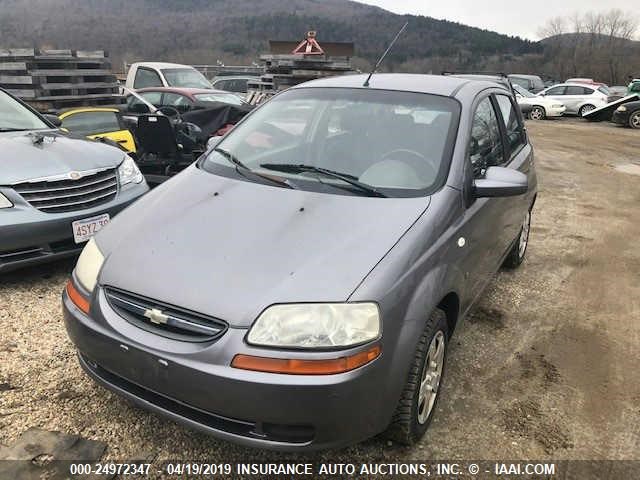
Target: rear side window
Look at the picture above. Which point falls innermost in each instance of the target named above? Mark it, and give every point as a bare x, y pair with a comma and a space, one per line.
576, 90
146, 78
514, 129
92, 123
486, 149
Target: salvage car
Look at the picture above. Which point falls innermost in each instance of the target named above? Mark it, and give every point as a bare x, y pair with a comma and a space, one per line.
540, 108
182, 99
302, 279
579, 99
98, 123
55, 191
628, 115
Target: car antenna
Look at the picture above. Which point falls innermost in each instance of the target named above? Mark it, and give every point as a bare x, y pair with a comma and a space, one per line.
366, 82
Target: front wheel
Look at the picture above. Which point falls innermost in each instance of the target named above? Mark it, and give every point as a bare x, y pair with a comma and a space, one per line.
519, 249
537, 113
418, 399
634, 119
586, 109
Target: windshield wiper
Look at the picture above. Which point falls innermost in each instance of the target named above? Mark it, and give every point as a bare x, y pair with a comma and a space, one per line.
13, 129
241, 166
345, 177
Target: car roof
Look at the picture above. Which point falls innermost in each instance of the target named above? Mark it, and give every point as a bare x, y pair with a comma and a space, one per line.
521, 75
160, 65
181, 90
443, 85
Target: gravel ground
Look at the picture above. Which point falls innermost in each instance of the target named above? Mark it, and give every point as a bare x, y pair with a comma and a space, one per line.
546, 367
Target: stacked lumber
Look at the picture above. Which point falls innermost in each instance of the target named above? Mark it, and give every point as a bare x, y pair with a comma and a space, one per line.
54, 79
284, 70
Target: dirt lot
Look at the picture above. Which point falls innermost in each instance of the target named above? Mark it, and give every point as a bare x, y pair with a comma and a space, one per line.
546, 367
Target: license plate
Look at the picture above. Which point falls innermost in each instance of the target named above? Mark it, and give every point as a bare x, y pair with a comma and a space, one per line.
86, 228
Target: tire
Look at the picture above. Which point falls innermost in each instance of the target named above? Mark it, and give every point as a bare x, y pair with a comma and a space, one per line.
634, 119
519, 250
537, 113
414, 412
586, 108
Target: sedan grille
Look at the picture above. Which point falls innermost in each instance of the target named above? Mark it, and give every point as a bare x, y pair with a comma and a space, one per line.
66, 195
163, 319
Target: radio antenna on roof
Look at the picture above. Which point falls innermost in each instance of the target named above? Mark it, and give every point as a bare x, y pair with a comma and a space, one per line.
366, 82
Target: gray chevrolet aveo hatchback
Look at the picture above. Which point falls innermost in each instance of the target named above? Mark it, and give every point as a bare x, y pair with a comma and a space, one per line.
296, 287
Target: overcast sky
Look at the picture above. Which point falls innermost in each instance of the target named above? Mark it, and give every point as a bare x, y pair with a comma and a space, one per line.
513, 17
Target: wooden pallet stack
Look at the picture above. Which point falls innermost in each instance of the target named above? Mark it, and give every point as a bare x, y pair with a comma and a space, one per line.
50, 80
285, 67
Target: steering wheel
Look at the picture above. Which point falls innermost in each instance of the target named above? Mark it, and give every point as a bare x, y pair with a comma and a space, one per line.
172, 113
416, 161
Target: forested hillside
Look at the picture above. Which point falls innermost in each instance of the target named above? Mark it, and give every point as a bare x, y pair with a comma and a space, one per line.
236, 31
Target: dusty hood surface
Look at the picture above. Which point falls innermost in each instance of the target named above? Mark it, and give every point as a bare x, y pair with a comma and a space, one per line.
23, 156
233, 254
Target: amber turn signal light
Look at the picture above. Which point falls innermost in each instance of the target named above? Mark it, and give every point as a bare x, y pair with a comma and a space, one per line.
77, 298
306, 367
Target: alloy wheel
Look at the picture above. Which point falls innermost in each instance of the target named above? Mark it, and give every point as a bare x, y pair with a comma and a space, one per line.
586, 109
536, 114
524, 235
634, 120
431, 376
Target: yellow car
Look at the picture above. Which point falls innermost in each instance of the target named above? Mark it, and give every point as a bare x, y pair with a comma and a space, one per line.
96, 123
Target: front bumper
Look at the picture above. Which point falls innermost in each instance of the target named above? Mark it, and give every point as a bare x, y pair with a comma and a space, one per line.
194, 384
29, 236
621, 118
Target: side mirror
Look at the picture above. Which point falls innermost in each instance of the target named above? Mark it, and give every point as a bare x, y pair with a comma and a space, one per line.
52, 119
501, 182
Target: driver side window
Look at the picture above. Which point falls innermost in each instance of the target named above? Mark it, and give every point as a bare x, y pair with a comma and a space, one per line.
485, 149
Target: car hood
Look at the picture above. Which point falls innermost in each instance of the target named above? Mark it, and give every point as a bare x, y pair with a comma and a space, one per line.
37, 154
230, 248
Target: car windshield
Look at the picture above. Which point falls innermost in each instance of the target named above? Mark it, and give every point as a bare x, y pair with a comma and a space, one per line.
14, 116
523, 91
92, 123
185, 77
219, 97
390, 142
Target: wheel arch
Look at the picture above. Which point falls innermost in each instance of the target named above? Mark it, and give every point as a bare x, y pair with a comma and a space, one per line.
450, 305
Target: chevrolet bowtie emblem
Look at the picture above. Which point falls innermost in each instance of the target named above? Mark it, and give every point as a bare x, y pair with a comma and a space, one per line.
156, 316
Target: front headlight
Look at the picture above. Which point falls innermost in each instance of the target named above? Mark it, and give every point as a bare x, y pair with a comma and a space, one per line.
316, 325
128, 171
622, 108
89, 264
4, 202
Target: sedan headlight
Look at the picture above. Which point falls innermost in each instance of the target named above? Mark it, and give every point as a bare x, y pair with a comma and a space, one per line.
622, 108
89, 264
316, 325
128, 171
5, 202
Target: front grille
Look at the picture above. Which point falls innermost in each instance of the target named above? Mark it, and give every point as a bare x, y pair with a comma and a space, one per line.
56, 196
165, 320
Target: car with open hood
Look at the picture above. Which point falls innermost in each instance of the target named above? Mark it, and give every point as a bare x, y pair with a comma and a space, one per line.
55, 191
296, 288
539, 108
